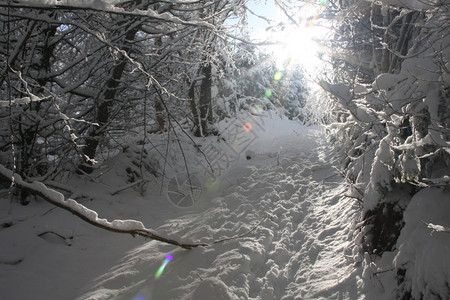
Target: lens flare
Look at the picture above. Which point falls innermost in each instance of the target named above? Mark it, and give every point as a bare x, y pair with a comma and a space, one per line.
323, 3
168, 258
247, 127
212, 184
268, 93
147, 292
278, 76
257, 109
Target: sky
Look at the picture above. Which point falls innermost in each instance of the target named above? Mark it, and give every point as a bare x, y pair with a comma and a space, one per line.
292, 43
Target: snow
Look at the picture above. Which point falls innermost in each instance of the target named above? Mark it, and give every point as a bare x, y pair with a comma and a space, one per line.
286, 201
424, 254
108, 6
73, 206
387, 81
437, 228
212, 288
23, 100
411, 146
340, 90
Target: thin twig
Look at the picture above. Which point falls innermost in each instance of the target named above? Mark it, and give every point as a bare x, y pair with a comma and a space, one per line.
242, 235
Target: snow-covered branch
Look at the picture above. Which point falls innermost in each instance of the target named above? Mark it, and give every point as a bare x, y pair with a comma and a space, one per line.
437, 228
107, 6
135, 228
23, 100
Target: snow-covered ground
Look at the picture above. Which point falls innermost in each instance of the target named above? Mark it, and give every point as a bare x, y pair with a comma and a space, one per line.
282, 196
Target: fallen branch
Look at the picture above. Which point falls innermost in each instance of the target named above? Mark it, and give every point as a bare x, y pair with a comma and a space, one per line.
126, 187
62, 237
12, 262
133, 227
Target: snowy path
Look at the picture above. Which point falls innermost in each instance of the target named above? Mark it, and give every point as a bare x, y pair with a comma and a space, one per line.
299, 252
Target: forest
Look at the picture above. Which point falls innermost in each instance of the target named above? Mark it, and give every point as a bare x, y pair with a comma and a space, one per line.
171, 95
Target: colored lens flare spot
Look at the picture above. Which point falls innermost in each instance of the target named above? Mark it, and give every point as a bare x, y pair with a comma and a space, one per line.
257, 109
268, 93
212, 184
168, 258
247, 127
278, 76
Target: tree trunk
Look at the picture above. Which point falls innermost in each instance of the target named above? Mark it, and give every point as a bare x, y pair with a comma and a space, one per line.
205, 104
402, 41
104, 105
159, 108
194, 109
386, 54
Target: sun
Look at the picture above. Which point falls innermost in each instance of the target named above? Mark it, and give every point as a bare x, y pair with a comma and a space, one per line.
293, 40
298, 44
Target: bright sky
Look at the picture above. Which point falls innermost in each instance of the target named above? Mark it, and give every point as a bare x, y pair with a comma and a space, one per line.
293, 43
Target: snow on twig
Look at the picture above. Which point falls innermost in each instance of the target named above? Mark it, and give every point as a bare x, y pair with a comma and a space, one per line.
23, 100
437, 228
107, 6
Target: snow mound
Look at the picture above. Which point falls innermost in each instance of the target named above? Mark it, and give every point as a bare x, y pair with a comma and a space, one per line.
424, 254
212, 288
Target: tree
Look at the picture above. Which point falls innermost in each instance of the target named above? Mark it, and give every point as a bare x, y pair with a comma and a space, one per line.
76, 72
31, 115
214, 51
391, 109
106, 61
258, 84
